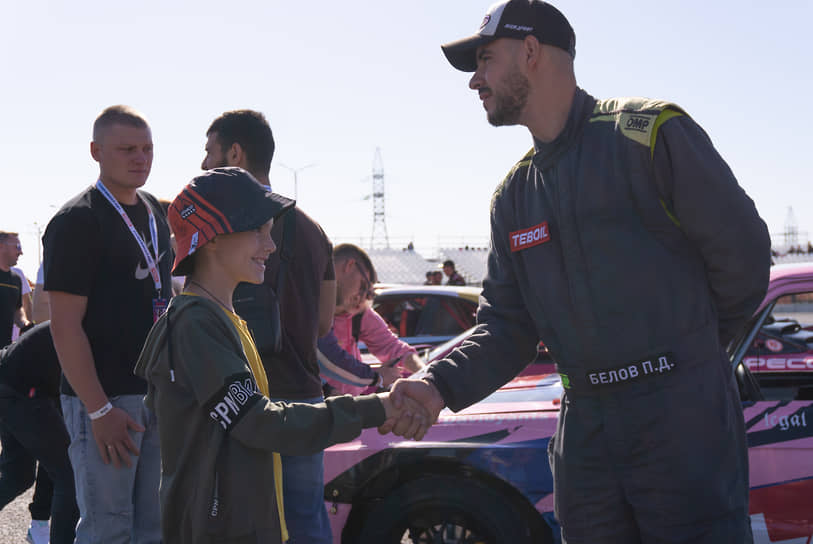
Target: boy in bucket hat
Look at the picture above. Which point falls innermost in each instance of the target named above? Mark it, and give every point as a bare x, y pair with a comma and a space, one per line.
645, 282
207, 385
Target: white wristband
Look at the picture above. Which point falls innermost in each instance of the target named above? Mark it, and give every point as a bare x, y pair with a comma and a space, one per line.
101, 411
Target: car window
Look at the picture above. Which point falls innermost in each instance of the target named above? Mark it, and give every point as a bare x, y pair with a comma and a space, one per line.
400, 312
426, 315
794, 307
781, 354
442, 316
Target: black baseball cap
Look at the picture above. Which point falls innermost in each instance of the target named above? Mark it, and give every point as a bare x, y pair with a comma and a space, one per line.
219, 201
513, 19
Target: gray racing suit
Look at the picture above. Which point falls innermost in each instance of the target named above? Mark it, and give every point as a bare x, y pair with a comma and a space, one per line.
628, 247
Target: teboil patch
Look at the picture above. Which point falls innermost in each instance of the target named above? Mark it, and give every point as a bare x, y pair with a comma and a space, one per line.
231, 402
633, 372
532, 236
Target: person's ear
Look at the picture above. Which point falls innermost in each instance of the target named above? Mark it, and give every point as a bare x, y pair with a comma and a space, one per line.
236, 156
531, 51
95, 151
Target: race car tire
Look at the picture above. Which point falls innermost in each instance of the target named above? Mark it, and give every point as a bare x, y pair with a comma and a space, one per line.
430, 510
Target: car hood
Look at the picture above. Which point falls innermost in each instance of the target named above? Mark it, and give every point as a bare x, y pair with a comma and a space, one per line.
535, 390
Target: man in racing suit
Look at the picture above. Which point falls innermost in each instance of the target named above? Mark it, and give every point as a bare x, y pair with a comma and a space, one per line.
624, 242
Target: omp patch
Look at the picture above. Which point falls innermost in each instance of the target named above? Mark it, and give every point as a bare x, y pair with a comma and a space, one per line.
532, 236
228, 406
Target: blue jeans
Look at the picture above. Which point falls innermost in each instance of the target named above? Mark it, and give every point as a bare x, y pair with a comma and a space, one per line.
303, 492
116, 505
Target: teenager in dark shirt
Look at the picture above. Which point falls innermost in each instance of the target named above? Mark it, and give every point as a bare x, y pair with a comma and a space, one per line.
32, 429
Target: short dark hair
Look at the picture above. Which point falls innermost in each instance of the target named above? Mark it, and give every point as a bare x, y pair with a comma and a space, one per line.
342, 252
4, 235
117, 115
448, 262
251, 131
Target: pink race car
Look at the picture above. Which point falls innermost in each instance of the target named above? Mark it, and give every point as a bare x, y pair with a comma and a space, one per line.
482, 475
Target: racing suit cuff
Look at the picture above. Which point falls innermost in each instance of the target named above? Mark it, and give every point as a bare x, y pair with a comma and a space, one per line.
440, 384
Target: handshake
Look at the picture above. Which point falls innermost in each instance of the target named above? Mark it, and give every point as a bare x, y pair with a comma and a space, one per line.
411, 407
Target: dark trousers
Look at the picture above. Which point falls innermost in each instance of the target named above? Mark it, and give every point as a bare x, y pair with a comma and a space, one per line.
33, 430
18, 472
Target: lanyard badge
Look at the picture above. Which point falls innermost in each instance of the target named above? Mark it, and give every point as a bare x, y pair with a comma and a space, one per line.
159, 308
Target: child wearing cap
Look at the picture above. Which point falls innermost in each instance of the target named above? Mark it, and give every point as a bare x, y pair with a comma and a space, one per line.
219, 433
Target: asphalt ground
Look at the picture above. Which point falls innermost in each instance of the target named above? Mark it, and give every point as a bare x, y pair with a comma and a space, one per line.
14, 519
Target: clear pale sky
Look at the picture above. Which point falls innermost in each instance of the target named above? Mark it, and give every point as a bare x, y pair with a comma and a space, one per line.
339, 79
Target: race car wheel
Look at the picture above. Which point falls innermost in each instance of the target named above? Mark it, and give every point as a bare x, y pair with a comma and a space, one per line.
446, 510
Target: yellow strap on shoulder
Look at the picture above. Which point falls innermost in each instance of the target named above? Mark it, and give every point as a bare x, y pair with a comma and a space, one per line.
663, 117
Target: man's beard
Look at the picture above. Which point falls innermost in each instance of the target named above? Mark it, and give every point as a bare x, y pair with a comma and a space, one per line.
511, 102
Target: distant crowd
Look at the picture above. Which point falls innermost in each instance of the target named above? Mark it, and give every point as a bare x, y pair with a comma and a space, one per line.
435, 277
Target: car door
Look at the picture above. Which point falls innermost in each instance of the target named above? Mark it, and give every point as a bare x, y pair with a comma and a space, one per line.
780, 424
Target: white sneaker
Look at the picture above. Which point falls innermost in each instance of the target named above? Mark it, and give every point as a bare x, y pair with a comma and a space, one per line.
39, 532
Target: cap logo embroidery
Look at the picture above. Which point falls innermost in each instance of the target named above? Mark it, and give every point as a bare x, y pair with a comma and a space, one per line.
486, 19
532, 236
189, 210
193, 244
521, 28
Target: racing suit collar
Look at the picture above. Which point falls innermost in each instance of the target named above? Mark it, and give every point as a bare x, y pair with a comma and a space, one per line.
580, 110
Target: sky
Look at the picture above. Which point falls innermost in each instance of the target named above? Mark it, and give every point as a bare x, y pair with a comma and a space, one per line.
338, 80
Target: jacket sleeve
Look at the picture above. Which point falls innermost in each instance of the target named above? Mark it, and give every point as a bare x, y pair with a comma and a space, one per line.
216, 370
337, 364
303, 429
505, 340
379, 339
718, 217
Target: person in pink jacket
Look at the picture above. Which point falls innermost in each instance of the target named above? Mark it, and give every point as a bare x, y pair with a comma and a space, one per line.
355, 276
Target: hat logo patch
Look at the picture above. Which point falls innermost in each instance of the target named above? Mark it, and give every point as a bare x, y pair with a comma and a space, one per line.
486, 19
189, 210
193, 244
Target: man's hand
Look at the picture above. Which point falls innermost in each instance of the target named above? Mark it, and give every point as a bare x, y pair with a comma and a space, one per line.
112, 438
410, 416
406, 394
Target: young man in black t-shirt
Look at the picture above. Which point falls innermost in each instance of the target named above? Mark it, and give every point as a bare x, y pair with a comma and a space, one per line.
107, 260
11, 301
32, 429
